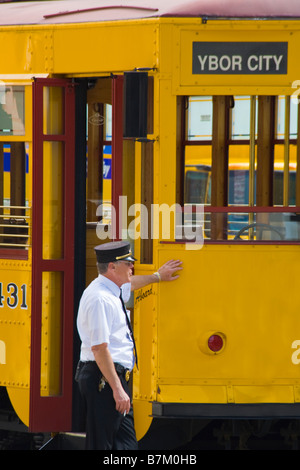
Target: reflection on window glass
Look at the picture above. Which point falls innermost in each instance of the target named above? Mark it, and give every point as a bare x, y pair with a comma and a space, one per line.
108, 121
197, 186
278, 188
14, 210
280, 117
238, 187
12, 110
200, 113
240, 118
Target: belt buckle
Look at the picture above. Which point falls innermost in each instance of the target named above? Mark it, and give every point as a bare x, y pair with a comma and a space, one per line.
127, 375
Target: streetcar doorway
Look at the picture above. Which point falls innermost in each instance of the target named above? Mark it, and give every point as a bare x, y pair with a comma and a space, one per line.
110, 165
117, 150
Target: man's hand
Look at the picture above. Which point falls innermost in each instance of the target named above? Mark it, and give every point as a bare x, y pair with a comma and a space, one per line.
166, 273
122, 400
106, 365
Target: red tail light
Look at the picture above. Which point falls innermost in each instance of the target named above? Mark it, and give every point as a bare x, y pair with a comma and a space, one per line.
215, 343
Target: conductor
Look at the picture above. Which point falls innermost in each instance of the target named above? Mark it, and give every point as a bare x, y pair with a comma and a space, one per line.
108, 353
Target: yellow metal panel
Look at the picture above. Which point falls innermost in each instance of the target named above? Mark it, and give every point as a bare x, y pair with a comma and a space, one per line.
20, 401
167, 145
27, 50
297, 393
145, 334
224, 35
142, 417
264, 394
104, 47
192, 394
15, 278
81, 49
51, 334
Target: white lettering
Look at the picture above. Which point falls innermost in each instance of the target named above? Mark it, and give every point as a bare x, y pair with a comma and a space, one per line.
249, 63
106, 169
236, 62
267, 59
212, 62
117, 460
202, 61
171, 459
225, 62
277, 61
263, 62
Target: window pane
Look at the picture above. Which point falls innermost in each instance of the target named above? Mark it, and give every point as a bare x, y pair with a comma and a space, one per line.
108, 122
12, 110
200, 114
240, 118
14, 211
53, 110
239, 180
280, 118
293, 119
197, 184
278, 179
266, 226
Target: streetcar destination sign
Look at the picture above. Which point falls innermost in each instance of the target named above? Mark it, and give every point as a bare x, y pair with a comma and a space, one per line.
256, 58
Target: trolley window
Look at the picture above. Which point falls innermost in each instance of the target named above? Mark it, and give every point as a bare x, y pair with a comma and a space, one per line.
12, 110
240, 163
14, 209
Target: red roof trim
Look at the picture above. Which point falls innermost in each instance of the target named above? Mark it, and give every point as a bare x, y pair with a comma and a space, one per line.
85, 10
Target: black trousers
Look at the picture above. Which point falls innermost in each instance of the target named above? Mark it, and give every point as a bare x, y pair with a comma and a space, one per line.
106, 428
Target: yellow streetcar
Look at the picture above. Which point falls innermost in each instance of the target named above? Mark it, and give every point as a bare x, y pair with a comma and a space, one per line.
174, 125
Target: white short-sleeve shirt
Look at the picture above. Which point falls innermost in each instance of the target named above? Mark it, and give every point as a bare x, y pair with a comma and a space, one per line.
101, 319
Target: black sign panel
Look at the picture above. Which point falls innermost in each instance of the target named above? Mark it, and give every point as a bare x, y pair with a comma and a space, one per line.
233, 58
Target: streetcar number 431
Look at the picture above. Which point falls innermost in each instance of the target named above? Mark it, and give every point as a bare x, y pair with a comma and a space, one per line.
13, 296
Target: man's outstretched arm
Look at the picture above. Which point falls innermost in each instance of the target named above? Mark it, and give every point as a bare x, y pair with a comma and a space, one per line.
165, 273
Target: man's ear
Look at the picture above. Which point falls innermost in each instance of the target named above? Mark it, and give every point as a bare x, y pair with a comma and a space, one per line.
111, 266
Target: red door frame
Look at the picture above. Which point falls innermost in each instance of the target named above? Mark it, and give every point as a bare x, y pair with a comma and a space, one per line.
52, 413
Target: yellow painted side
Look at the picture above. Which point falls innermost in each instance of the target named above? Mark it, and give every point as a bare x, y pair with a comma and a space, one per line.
142, 417
51, 334
234, 31
164, 43
87, 48
19, 397
145, 331
247, 294
15, 278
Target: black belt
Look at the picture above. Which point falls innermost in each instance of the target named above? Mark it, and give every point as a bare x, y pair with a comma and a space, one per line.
121, 370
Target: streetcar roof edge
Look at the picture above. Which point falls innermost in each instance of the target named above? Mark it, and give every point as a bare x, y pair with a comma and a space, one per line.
74, 11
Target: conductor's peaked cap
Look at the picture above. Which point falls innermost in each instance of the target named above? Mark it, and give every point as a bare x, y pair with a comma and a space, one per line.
114, 251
